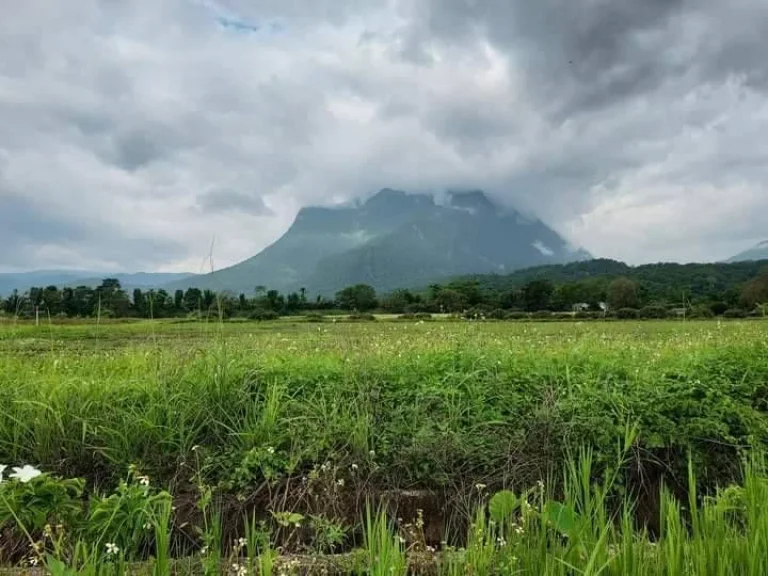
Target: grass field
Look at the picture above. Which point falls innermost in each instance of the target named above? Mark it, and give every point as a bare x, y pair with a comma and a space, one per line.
300, 428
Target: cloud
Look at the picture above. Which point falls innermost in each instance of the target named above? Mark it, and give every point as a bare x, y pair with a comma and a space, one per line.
231, 200
133, 135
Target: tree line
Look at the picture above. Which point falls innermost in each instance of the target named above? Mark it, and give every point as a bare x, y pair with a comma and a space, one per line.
597, 287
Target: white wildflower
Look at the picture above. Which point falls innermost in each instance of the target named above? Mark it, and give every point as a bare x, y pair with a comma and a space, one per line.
340, 482
25, 474
144, 480
2, 469
112, 548
204, 550
480, 487
354, 467
270, 450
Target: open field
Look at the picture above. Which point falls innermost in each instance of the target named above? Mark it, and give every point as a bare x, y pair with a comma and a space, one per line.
261, 420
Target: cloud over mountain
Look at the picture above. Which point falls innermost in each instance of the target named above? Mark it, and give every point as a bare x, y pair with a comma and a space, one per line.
132, 135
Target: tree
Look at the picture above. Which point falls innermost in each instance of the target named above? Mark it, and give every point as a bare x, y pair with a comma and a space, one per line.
112, 298
537, 294
622, 293
360, 297
755, 292
192, 299
451, 300
398, 301
178, 300
139, 302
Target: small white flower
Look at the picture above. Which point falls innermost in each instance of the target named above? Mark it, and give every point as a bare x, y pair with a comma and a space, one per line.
204, 550
241, 542
270, 450
112, 548
354, 467
25, 474
480, 487
195, 448
144, 480
148, 526
340, 482
2, 469
33, 561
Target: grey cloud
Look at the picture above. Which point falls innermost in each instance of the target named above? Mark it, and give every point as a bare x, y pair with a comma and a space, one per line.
229, 200
606, 118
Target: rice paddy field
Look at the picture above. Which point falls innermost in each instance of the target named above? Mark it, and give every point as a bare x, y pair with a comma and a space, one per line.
384, 447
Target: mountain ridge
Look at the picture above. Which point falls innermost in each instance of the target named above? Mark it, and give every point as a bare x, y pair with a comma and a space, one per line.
758, 252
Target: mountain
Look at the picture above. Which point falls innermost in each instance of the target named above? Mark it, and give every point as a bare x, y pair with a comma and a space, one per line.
757, 252
22, 281
395, 240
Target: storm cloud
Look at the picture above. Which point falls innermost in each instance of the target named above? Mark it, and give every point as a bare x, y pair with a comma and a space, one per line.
135, 135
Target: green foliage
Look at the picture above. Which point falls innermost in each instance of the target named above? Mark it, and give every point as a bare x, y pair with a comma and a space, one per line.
653, 312
44, 500
627, 313
263, 315
360, 297
502, 506
361, 317
127, 517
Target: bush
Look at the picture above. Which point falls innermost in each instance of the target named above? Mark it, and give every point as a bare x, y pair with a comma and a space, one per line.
361, 317
702, 311
542, 315
516, 315
497, 314
415, 316
653, 312
588, 315
734, 313
627, 313
314, 317
263, 315
718, 308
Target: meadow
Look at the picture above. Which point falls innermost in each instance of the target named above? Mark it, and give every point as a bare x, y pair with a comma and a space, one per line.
447, 447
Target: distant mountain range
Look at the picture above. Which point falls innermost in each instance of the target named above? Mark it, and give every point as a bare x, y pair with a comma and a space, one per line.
22, 281
394, 240
757, 252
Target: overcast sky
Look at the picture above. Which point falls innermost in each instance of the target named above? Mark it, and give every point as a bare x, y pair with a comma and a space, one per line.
133, 134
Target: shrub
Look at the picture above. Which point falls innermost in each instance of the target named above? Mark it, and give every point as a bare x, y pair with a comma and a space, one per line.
588, 315
718, 308
702, 311
361, 317
497, 314
262, 315
734, 313
542, 315
314, 317
653, 312
627, 313
516, 315
415, 316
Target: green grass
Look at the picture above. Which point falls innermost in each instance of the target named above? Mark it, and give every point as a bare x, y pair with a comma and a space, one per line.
323, 418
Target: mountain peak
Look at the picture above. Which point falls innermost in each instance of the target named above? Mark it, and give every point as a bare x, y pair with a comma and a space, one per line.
471, 199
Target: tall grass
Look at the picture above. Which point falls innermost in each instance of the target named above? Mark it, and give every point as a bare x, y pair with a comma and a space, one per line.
260, 412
